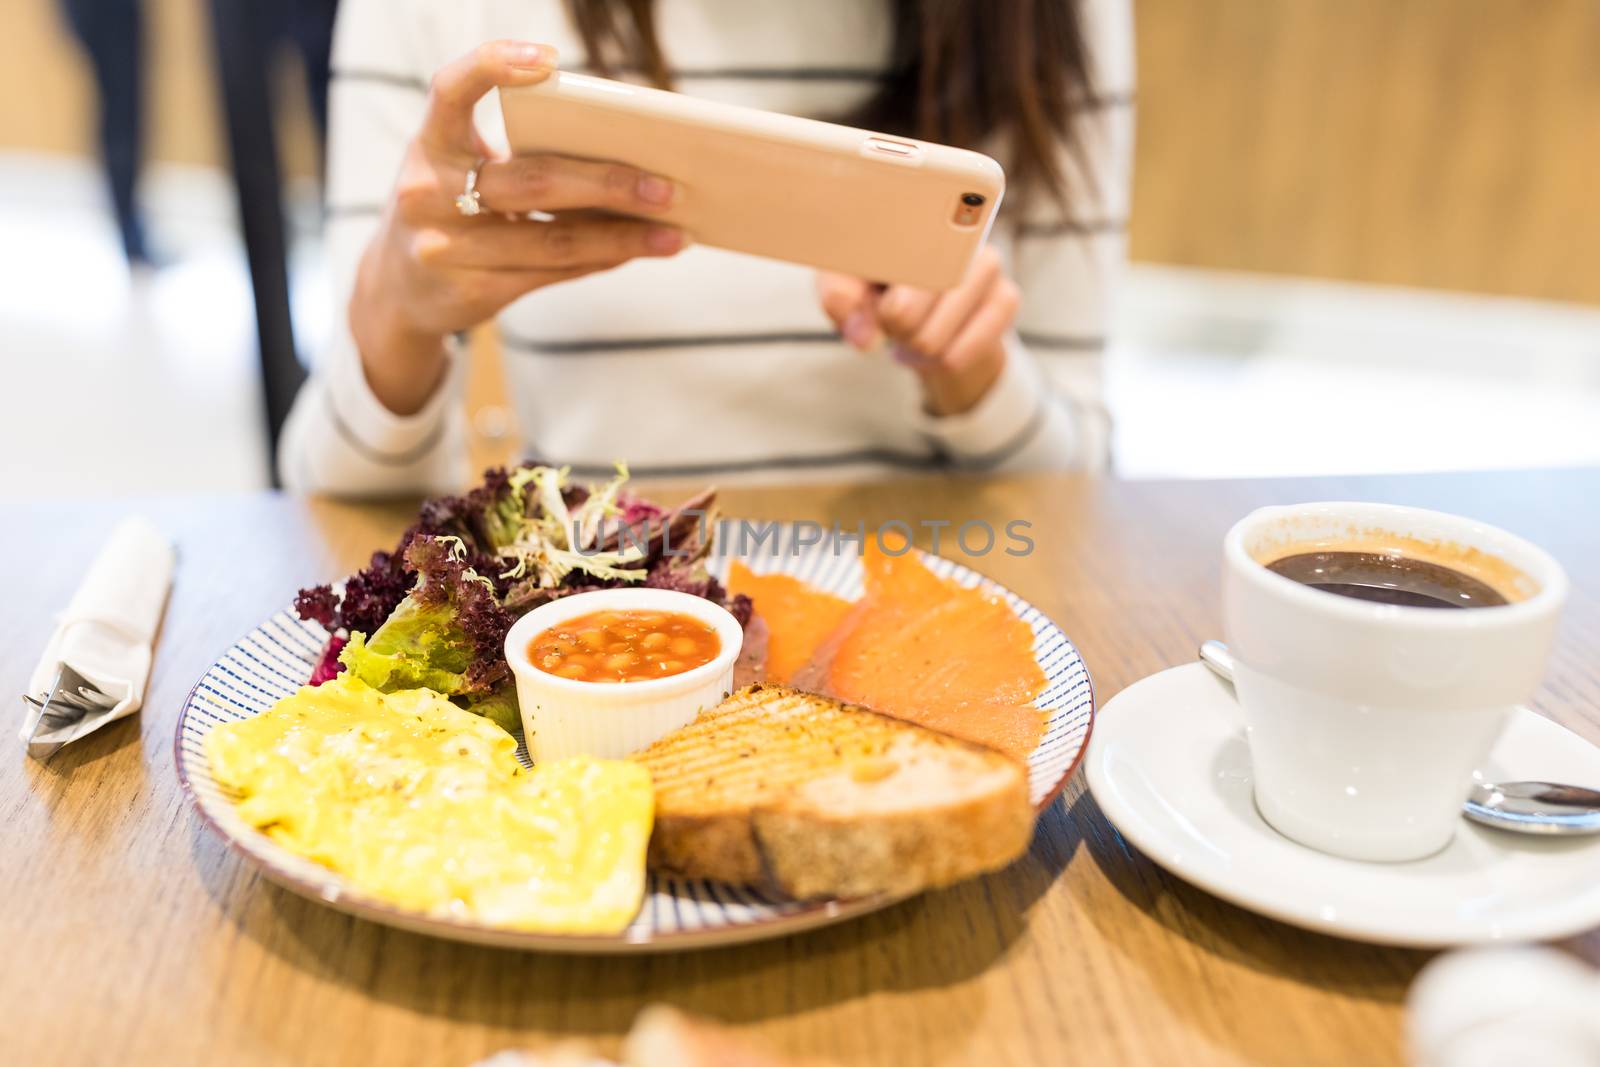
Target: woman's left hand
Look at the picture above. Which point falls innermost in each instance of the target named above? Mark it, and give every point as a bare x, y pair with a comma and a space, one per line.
954, 340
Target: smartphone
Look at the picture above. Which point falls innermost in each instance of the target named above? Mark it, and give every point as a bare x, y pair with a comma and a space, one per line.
888, 209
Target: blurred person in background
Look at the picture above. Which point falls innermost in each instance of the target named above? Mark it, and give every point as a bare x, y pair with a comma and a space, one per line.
620, 340
111, 33
247, 38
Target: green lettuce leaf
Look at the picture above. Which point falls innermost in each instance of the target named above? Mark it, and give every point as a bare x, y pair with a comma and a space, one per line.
446, 635
499, 707
419, 647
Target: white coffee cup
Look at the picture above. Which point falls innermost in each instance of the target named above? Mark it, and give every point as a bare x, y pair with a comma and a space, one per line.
1366, 720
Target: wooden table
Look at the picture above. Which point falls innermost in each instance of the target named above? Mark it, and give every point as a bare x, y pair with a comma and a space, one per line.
131, 936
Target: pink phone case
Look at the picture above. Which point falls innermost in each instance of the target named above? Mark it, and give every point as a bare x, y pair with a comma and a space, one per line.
888, 209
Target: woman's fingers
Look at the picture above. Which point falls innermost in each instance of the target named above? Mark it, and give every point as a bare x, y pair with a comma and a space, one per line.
902, 309
555, 183
849, 302
459, 85
565, 243
584, 242
840, 295
952, 310
987, 327
501, 287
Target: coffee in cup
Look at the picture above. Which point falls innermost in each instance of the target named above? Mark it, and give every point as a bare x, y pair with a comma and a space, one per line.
1379, 651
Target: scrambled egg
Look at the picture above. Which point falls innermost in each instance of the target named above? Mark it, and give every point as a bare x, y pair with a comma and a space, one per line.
425, 805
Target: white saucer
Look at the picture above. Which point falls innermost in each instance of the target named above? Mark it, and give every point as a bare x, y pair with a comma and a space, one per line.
1169, 766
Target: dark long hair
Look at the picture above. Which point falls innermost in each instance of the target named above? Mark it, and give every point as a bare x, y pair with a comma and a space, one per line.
960, 72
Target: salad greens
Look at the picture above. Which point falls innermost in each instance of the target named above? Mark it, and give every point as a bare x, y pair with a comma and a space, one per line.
442, 635
434, 612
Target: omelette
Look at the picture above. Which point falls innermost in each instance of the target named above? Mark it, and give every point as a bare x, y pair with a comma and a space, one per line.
426, 806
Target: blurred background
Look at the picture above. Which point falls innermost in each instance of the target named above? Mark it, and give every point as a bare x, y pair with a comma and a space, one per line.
1364, 238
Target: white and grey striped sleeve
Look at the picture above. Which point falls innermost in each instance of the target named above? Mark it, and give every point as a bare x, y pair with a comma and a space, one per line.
339, 437
1016, 426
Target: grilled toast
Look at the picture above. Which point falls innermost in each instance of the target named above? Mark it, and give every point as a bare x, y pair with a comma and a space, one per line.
823, 799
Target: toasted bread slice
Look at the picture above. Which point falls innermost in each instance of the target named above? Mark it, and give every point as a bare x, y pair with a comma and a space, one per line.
823, 799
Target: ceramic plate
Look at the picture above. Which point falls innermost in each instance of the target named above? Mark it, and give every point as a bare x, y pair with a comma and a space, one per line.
276, 658
1170, 768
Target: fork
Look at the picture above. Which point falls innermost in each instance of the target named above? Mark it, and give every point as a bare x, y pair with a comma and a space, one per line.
71, 697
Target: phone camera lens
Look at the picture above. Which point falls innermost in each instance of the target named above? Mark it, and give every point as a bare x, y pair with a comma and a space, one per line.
972, 199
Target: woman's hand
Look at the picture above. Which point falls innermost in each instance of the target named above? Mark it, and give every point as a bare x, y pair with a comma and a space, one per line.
954, 340
431, 271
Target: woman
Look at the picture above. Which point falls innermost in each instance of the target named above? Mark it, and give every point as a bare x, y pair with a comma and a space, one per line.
624, 341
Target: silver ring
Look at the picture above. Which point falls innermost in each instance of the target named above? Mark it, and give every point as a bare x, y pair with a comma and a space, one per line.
468, 203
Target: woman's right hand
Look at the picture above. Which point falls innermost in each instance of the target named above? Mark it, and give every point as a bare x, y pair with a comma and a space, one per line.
431, 271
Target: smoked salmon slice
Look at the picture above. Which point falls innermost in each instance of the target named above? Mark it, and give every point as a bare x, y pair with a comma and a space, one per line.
924, 649
798, 616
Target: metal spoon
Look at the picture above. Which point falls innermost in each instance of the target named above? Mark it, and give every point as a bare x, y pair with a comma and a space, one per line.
1522, 807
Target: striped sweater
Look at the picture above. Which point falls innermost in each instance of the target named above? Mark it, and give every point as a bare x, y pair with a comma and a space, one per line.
712, 364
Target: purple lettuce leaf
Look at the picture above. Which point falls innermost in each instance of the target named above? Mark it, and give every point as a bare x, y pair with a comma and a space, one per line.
328, 666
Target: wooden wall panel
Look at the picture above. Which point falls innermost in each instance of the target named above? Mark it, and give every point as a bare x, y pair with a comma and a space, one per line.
1445, 143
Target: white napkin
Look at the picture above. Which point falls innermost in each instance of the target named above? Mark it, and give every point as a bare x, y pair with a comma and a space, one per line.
106, 632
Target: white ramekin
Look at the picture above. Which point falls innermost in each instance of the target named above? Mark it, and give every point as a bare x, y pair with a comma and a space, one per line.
566, 717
